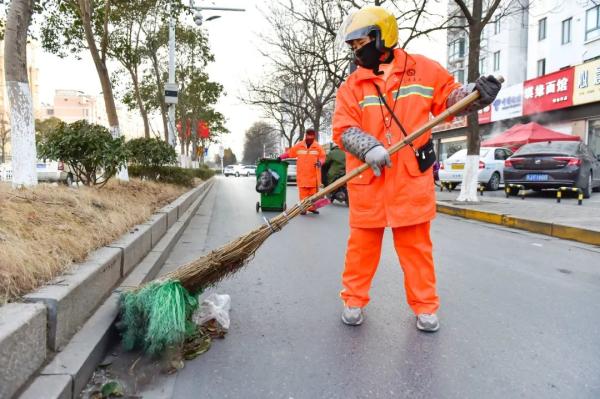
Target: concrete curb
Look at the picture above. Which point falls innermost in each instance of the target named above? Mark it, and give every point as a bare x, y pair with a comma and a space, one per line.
29, 332
69, 371
22, 344
578, 234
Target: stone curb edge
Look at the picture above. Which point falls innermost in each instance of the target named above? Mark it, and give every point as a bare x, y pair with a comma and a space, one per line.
535, 226
89, 284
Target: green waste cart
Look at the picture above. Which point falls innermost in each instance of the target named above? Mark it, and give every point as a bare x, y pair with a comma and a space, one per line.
275, 200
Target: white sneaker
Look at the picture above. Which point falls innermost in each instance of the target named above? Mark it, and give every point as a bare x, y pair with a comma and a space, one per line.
428, 322
352, 316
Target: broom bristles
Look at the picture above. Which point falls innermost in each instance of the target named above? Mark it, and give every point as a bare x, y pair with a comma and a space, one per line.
155, 316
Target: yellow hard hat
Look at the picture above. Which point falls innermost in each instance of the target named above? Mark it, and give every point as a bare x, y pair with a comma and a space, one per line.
373, 20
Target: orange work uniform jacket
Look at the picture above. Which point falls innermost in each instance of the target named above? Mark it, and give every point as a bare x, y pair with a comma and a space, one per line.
307, 173
402, 195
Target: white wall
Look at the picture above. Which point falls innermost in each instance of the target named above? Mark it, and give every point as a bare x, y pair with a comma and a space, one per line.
511, 41
556, 54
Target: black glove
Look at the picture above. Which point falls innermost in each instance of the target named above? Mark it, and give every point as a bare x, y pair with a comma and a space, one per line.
488, 88
318, 164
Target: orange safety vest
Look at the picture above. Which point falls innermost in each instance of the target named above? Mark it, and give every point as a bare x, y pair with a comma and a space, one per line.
403, 195
307, 173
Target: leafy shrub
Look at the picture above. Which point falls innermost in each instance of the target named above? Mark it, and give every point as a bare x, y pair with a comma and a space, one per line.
150, 152
165, 174
203, 172
91, 152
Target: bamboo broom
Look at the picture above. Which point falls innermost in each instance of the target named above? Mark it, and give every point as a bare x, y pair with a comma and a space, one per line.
156, 315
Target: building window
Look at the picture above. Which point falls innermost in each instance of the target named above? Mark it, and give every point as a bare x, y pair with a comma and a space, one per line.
497, 61
497, 25
542, 29
592, 23
566, 31
482, 66
459, 75
456, 49
541, 67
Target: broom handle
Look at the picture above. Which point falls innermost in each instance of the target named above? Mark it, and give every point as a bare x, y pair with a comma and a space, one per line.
451, 111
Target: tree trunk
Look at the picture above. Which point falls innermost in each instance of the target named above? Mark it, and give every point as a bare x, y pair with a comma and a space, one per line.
103, 75
468, 188
161, 98
24, 157
140, 102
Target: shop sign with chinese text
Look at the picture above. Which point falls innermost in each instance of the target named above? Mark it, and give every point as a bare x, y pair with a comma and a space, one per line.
549, 92
508, 104
587, 83
485, 115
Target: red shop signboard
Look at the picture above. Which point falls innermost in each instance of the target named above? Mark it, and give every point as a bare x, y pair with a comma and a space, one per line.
549, 92
485, 115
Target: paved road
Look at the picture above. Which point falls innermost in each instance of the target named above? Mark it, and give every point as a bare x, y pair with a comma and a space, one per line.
520, 315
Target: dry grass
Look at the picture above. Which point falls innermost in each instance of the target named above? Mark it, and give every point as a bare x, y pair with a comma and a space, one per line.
45, 229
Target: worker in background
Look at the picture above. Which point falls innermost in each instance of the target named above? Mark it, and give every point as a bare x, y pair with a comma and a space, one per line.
391, 94
309, 158
334, 166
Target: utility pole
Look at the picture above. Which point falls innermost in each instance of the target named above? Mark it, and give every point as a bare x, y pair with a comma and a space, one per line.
171, 85
171, 88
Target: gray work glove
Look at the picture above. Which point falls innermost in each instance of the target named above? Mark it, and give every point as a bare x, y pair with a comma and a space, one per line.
488, 88
378, 157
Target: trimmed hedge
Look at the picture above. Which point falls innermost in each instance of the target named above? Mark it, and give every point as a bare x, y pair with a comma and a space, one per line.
150, 152
165, 174
204, 172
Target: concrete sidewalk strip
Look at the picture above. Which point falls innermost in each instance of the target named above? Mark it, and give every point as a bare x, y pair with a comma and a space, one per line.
577, 224
69, 371
22, 344
73, 297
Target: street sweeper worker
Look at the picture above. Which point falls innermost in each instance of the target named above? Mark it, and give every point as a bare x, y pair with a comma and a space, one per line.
309, 158
390, 95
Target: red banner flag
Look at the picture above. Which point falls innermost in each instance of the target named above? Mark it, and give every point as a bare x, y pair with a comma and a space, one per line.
203, 130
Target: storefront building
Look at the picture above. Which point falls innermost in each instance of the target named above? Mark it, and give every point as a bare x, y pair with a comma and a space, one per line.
567, 101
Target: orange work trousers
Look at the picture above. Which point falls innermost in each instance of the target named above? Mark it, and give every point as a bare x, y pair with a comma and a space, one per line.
304, 192
414, 250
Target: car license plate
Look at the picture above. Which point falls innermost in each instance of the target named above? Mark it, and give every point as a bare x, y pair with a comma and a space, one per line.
458, 166
536, 177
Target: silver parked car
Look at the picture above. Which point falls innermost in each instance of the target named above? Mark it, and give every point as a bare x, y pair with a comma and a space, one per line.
55, 172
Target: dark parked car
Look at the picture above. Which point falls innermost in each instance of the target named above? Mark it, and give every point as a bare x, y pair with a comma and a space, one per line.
554, 164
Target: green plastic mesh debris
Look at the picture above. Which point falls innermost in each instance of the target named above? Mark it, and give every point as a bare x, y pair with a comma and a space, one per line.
156, 316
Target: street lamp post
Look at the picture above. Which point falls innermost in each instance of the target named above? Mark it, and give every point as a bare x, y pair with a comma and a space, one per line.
171, 88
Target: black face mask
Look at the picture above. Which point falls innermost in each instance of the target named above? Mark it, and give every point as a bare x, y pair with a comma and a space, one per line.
369, 57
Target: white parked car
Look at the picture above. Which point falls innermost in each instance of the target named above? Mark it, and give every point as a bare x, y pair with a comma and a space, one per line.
54, 171
248, 170
234, 170
491, 167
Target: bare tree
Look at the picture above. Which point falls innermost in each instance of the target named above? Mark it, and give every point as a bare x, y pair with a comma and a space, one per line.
283, 102
260, 140
302, 49
19, 95
477, 14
